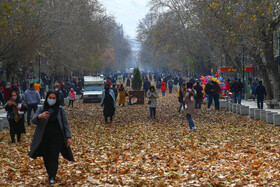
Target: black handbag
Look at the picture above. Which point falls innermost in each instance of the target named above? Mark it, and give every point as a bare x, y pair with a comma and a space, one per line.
149, 102
10, 116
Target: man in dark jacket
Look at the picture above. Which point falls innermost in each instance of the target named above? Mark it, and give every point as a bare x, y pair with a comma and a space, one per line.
146, 85
213, 90
60, 95
260, 93
199, 96
115, 90
170, 85
236, 89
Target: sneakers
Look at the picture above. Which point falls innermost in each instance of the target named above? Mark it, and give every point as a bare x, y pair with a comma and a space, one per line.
52, 181
194, 128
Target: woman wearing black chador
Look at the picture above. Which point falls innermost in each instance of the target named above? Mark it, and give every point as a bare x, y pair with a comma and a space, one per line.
52, 135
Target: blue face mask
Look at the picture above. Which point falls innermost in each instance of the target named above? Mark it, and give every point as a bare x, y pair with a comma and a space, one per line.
51, 102
14, 98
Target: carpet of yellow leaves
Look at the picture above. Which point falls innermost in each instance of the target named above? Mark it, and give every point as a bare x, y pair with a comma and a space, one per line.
226, 149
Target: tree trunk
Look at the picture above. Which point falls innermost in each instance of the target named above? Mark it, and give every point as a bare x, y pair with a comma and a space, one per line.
271, 64
264, 74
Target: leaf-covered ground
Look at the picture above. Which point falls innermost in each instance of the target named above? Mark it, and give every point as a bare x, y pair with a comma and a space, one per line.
226, 149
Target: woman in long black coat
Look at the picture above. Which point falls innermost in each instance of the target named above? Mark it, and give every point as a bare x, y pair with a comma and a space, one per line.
52, 135
15, 108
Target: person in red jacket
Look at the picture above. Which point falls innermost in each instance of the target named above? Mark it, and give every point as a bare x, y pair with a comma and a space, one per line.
228, 85
7, 91
163, 88
109, 82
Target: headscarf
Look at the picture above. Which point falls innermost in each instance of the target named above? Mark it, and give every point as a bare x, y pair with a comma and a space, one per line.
72, 93
8, 85
152, 88
54, 108
18, 100
121, 88
107, 88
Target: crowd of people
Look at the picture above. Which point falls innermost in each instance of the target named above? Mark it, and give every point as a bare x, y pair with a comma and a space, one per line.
191, 93
52, 134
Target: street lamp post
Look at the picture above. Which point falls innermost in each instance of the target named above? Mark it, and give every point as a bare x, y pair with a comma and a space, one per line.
278, 59
39, 66
244, 87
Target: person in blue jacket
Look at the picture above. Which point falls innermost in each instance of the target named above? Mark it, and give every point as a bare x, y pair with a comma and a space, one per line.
108, 103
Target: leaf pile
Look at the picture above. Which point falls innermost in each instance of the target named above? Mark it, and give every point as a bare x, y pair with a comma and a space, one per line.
226, 149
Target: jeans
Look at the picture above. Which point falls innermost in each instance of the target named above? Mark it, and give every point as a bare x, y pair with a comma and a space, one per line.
260, 102
71, 102
170, 90
181, 105
163, 93
216, 100
2, 99
197, 103
237, 97
31, 107
210, 98
191, 123
153, 112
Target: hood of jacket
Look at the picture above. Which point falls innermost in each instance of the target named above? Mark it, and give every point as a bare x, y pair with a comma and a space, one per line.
31, 91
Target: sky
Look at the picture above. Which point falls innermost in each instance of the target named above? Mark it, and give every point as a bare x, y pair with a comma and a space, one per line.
128, 13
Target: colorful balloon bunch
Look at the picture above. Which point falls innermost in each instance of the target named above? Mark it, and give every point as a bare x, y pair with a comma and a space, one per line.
218, 79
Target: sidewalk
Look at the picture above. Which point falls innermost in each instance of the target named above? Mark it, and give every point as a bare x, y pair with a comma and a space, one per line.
253, 104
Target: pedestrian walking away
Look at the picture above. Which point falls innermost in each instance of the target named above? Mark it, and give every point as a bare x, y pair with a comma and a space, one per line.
37, 87
60, 94
260, 94
32, 99
122, 92
115, 90
152, 94
181, 97
52, 135
212, 89
163, 88
16, 108
189, 95
170, 85
199, 96
7, 91
128, 82
236, 89
71, 97
146, 86
108, 103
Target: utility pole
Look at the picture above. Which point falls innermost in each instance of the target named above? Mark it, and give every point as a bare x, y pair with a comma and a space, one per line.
244, 87
39, 69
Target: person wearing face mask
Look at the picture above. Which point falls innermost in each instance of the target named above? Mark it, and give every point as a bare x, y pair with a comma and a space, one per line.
108, 103
60, 95
152, 94
15, 108
52, 135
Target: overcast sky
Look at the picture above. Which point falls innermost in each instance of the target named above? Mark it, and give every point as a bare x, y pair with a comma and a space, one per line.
128, 13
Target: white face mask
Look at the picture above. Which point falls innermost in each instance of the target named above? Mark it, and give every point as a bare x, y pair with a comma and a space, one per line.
51, 102
56, 89
14, 98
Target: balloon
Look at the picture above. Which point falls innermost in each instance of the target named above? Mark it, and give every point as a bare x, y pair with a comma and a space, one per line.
221, 79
